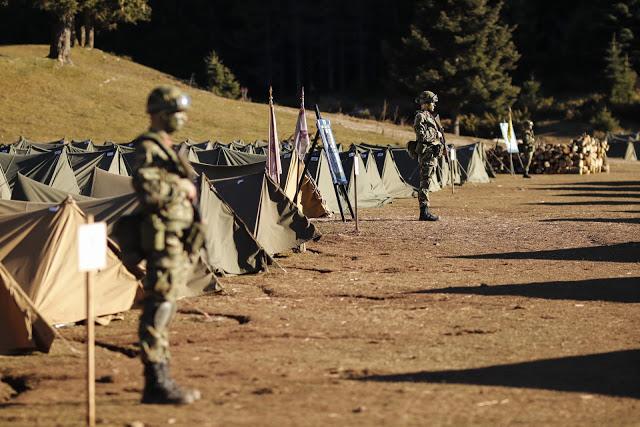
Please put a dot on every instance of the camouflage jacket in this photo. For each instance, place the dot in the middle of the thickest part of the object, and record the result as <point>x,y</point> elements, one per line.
<point>157,179</point>
<point>426,128</point>
<point>528,139</point>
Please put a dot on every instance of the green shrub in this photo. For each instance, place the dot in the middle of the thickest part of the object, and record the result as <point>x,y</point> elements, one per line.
<point>220,79</point>
<point>604,121</point>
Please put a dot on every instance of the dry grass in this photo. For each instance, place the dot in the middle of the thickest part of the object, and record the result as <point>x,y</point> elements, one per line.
<point>102,96</point>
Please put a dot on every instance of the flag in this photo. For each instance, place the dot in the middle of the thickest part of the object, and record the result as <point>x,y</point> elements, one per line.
<point>511,133</point>
<point>273,166</point>
<point>301,136</point>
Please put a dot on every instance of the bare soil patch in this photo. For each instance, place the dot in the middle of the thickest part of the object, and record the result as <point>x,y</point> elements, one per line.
<point>520,307</point>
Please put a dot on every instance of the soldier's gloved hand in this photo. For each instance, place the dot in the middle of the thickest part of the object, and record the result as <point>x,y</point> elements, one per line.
<point>189,189</point>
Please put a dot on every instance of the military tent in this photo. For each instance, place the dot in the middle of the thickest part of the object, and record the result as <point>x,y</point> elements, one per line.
<point>409,170</point>
<point>83,165</point>
<point>106,184</point>
<point>311,199</point>
<point>371,191</point>
<point>472,160</point>
<point>222,156</point>
<point>29,190</point>
<point>622,149</point>
<point>39,250</point>
<point>51,168</point>
<point>5,189</point>
<point>272,218</point>
<point>232,249</point>
<point>393,182</point>
<point>24,329</point>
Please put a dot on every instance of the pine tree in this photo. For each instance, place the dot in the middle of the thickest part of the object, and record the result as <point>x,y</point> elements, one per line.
<point>461,50</point>
<point>220,79</point>
<point>619,75</point>
<point>622,18</point>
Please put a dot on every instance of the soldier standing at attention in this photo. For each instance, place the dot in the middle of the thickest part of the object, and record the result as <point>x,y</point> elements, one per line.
<point>528,143</point>
<point>429,148</point>
<point>166,197</point>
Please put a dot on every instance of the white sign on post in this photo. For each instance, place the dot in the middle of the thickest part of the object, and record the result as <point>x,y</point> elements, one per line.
<point>356,165</point>
<point>92,247</point>
<point>509,138</point>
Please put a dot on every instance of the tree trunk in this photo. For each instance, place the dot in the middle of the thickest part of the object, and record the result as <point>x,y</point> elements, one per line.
<point>91,37</point>
<point>60,47</point>
<point>83,36</point>
<point>456,125</point>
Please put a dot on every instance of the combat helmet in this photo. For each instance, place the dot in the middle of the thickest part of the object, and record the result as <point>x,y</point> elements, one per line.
<point>167,98</point>
<point>426,97</point>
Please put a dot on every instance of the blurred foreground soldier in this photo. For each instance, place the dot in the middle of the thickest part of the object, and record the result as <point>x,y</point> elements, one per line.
<point>429,148</point>
<point>528,144</point>
<point>166,196</point>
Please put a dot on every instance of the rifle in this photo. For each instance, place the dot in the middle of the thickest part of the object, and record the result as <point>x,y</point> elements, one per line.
<point>447,155</point>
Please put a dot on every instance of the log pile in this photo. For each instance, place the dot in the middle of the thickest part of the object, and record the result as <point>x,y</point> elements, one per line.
<point>585,155</point>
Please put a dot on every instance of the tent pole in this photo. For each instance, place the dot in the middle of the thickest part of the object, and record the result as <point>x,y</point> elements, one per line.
<point>306,163</point>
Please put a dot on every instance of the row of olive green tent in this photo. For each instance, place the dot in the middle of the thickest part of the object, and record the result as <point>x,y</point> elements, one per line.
<point>41,226</point>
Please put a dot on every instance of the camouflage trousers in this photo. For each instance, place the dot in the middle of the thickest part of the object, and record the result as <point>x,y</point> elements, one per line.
<point>427,163</point>
<point>168,271</point>
<point>528,158</point>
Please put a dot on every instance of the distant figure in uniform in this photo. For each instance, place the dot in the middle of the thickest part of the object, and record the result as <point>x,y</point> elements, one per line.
<point>429,148</point>
<point>166,197</point>
<point>529,146</point>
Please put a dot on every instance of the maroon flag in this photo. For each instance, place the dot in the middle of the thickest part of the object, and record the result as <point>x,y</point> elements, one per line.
<point>273,166</point>
<point>301,135</point>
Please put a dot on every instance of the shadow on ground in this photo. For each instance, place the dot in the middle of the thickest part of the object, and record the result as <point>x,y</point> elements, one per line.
<point>615,374</point>
<point>588,203</point>
<point>603,220</point>
<point>621,290</point>
<point>629,189</point>
<point>621,252</point>
<point>599,184</point>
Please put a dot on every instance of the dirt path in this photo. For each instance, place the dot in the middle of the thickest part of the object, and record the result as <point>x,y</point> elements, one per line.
<point>520,307</point>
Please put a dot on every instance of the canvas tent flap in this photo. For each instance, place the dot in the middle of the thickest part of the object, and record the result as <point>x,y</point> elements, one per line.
<point>106,184</point>
<point>472,161</point>
<point>24,329</point>
<point>275,221</point>
<point>371,193</point>
<point>51,168</point>
<point>390,175</point>
<point>39,250</point>
<point>231,246</point>
<point>28,190</point>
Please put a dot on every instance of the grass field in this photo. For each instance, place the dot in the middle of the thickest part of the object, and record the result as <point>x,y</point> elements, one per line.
<point>102,97</point>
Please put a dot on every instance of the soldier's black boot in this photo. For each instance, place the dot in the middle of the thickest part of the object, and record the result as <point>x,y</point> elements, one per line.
<point>160,389</point>
<point>425,215</point>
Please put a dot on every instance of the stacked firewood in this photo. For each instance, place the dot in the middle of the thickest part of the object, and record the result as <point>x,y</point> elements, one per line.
<point>585,155</point>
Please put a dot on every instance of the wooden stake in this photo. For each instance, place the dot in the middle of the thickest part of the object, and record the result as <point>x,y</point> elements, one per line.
<point>91,369</point>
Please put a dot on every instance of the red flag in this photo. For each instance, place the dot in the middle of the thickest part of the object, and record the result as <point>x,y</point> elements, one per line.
<point>273,166</point>
<point>301,135</point>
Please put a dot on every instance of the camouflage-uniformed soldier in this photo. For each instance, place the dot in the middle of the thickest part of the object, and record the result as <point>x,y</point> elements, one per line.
<point>166,195</point>
<point>528,145</point>
<point>429,148</point>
